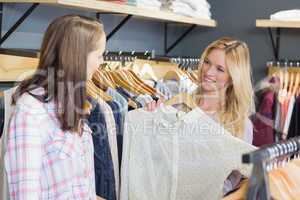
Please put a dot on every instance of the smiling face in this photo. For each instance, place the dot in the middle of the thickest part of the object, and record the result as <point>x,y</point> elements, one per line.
<point>214,73</point>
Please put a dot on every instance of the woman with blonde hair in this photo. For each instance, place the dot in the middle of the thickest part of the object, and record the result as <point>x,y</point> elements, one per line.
<point>225,90</point>
<point>225,87</point>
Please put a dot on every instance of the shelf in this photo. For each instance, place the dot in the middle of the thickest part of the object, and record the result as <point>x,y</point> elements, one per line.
<point>266,23</point>
<point>108,7</point>
<point>16,68</point>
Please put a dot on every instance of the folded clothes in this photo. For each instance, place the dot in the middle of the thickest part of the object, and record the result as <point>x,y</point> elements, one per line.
<point>286,15</point>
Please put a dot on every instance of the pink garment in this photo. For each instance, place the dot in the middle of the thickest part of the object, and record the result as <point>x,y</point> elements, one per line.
<point>44,162</point>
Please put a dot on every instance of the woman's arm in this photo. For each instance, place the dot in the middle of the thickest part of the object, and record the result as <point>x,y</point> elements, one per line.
<point>23,159</point>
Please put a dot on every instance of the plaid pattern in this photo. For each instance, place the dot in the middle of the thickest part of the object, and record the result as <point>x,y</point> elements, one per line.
<point>42,161</point>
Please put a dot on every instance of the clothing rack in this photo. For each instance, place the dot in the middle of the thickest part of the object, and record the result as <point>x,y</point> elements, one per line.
<point>284,63</point>
<point>261,159</point>
<point>184,62</point>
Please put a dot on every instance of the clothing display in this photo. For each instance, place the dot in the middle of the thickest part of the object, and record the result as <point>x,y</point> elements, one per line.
<point>263,132</point>
<point>104,170</point>
<point>112,138</point>
<point>169,154</point>
<point>294,128</point>
<point>283,178</point>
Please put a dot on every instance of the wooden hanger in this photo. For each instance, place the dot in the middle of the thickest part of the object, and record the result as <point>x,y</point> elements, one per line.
<point>101,80</point>
<point>109,77</point>
<point>173,75</point>
<point>146,87</point>
<point>194,77</point>
<point>95,92</point>
<point>182,98</point>
<point>146,72</point>
<point>132,104</point>
<point>119,80</point>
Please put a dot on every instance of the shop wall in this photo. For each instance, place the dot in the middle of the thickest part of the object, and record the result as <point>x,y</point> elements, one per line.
<point>236,18</point>
<point>137,34</point>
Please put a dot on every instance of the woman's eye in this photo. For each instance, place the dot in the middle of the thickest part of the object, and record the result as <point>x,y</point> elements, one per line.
<point>206,61</point>
<point>220,69</point>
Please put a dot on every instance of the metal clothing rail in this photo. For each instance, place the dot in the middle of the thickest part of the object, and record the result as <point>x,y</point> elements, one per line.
<point>184,62</point>
<point>284,63</point>
<point>261,158</point>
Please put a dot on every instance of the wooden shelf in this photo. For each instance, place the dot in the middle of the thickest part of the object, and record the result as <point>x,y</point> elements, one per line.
<point>16,68</point>
<point>266,23</point>
<point>102,6</point>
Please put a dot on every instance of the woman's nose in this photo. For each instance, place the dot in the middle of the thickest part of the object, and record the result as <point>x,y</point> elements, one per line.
<point>211,71</point>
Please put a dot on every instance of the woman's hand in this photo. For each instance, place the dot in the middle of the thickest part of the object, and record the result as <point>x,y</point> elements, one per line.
<point>153,105</point>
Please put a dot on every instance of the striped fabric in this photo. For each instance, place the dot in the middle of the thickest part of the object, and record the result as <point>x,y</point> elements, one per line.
<point>42,161</point>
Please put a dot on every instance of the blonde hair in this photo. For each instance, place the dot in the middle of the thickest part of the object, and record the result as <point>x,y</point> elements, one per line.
<point>239,94</point>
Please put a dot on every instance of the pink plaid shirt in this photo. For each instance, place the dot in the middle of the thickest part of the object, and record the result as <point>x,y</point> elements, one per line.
<point>42,161</point>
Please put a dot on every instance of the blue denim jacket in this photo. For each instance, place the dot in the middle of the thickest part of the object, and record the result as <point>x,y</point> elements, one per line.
<point>104,172</point>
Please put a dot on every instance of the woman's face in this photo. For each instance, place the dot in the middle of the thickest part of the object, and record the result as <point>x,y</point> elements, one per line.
<point>214,74</point>
<point>95,58</point>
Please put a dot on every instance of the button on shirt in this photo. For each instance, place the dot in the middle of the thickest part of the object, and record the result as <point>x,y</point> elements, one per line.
<point>44,162</point>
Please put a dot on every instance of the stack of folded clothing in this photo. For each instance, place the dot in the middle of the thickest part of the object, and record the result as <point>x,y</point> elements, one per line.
<point>191,8</point>
<point>151,4</point>
<point>286,15</point>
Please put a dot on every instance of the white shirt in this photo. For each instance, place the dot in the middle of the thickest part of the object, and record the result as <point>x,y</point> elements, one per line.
<point>171,155</point>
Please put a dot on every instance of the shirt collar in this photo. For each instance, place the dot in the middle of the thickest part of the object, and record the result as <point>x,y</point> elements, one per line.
<point>172,115</point>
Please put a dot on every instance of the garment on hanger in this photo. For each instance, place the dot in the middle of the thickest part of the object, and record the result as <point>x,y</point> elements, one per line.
<point>294,128</point>
<point>263,122</point>
<point>112,138</point>
<point>284,183</point>
<point>104,170</point>
<point>119,119</point>
<point>288,117</point>
<point>120,99</point>
<point>184,84</point>
<point>169,154</point>
<point>144,99</point>
<point>119,115</point>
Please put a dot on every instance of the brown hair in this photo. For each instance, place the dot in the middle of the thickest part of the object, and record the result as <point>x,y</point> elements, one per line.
<point>62,68</point>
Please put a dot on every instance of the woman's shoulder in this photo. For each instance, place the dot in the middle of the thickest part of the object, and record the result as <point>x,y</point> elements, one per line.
<point>29,104</point>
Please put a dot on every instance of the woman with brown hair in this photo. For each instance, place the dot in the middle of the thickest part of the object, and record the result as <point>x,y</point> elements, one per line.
<point>50,150</point>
